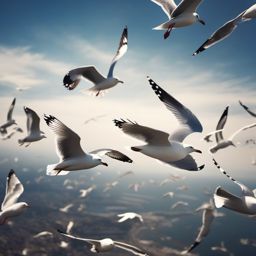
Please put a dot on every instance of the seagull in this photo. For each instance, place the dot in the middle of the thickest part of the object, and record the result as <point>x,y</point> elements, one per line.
<point>106,245</point>
<point>125,174</point>
<point>69,226</point>
<point>43,233</point>
<point>10,207</point>
<point>168,194</point>
<point>221,142</point>
<point>247,109</point>
<point>33,128</point>
<point>73,77</point>
<point>221,248</point>
<point>245,204</point>
<point>110,185</point>
<point>207,219</point>
<point>10,134</point>
<point>167,148</point>
<point>179,204</point>
<point>179,16</point>
<point>10,121</point>
<point>86,192</point>
<point>129,215</point>
<point>66,208</point>
<point>224,31</point>
<point>72,157</point>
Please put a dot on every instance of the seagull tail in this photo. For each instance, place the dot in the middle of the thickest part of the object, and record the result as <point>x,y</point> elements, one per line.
<point>50,171</point>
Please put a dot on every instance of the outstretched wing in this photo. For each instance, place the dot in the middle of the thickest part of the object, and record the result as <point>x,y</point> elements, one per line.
<point>221,124</point>
<point>113,154</point>
<point>14,189</point>
<point>10,111</point>
<point>188,163</point>
<point>186,6</point>
<point>149,135</point>
<point>247,109</point>
<point>188,121</point>
<point>168,6</point>
<point>130,248</point>
<point>122,49</point>
<point>241,130</point>
<point>67,141</point>
<point>33,121</point>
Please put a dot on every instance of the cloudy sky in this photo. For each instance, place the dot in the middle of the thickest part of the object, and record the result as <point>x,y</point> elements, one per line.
<point>41,41</point>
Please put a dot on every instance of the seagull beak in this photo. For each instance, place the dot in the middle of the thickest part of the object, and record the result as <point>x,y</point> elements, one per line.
<point>201,21</point>
<point>198,151</point>
<point>104,163</point>
<point>120,81</point>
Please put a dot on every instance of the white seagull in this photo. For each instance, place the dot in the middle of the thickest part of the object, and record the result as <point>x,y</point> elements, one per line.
<point>10,121</point>
<point>245,204</point>
<point>73,77</point>
<point>10,207</point>
<point>247,109</point>
<point>106,245</point>
<point>33,128</point>
<point>179,16</point>
<point>224,31</point>
<point>72,157</point>
<point>224,143</point>
<point>168,148</point>
<point>129,215</point>
<point>86,192</point>
<point>207,219</point>
<point>10,134</point>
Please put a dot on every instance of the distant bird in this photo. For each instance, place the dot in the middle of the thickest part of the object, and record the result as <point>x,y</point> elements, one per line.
<point>129,216</point>
<point>179,16</point>
<point>73,77</point>
<point>106,245</point>
<point>86,192</point>
<point>168,194</point>
<point>247,109</point>
<point>125,174</point>
<point>10,121</point>
<point>10,208</point>
<point>221,248</point>
<point>207,218</point>
<point>43,233</point>
<point>66,208</point>
<point>33,128</point>
<point>179,204</point>
<point>10,134</point>
<point>110,185</point>
<point>72,157</point>
<point>245,204</point>
<point>168,148</point>
<point>135,187</point>
<point>224,31</point>
<point>93,119</point>
<point>69,226</point>
<point>224,143</point>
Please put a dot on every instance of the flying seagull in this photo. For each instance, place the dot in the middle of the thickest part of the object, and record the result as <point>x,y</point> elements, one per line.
<point>10,121</point>
<point>33,128</point>
<point>179,16</point>
<point>10,207</point>
<point>168,148</point>
<point>247,109</point>
<point>129,215</point>
<point>72,157</point>
<point>224,143</point>
<point>73,77</point>
<point>225,31</point>
<point>106,245</point>
<point>245,204</point>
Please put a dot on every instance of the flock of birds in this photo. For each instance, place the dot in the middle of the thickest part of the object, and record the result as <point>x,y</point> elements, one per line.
<point>168,148</point>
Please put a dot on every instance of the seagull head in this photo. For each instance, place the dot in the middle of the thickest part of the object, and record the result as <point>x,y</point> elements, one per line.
<point>196,15</point>
<point>118,81</point>
<point>191,149</point>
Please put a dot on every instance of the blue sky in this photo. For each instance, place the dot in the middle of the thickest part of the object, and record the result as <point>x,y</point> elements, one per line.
<point>41,41</point>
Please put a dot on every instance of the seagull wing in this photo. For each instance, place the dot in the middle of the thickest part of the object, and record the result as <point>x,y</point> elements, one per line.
<point>168,6</point>
<point>250,13</point>
<point>209,135</point>
<point>241,130</point>
<point>14,189</point>
<point>67,141</point>
<point>113,154</point>
<point>186,6</point>
<point>122,49</point>
<point>187,163</point>
<point>130,248</point>
<point>220,34</point>
<point>149,135</point>
<point>9,114</point>
<point>188,121</point>
<point>247,109</point>
<point>33,121</point>
<point>221,124</point>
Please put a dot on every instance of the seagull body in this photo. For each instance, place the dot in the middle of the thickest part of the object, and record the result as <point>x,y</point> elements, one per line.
<point>226,30</point>
<point>10,121</point>
<point>129,215</point>
<point>72,157</point>
<point>179,16</point>
<point>224,143</point>
<point>167,148</point>
<point>10,208</point>
<point>207,219</point>
<point>33,128</point>
<point>107,244</point>
<point>73,77</point>
<point>245,204</point>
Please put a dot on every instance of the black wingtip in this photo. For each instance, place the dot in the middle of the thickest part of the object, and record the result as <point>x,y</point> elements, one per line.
<point>119,123</point>
<point>201,167</point>
<point>61,231</point>
<point>48,118</point>
<point>11,172</point>
<point>67,82</point>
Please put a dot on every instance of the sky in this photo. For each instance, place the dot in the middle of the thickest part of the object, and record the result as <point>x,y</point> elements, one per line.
<point>42,41</point>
